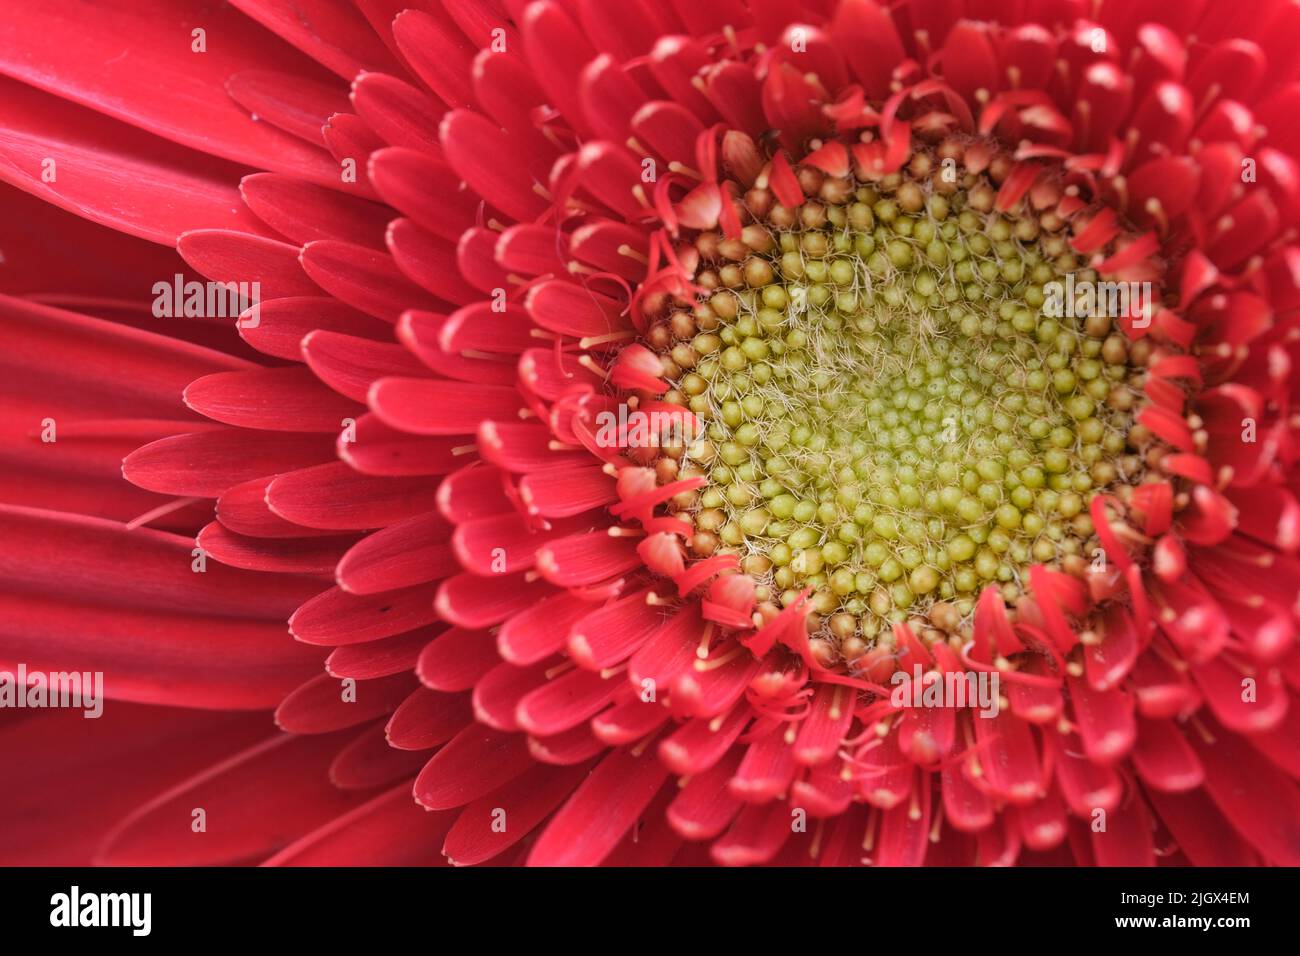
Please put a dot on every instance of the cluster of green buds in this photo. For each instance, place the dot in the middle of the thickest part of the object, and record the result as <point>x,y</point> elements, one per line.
<point>893,420</point>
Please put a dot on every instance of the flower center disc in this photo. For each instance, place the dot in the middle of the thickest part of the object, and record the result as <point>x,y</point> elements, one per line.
<point>895,414</point>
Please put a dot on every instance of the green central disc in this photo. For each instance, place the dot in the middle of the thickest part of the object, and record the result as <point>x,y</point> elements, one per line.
<point>892,417</point>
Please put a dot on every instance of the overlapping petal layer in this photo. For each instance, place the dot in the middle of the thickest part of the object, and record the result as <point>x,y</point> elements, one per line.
<point>457,255</point>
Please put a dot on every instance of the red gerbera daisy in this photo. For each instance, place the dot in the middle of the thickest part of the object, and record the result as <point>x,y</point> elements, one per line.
<point>814,431</point>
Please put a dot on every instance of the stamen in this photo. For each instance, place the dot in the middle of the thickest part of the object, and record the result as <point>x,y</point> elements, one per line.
<point>726,658</point>
<point>702,652</point>
<point>594,340</point>
<point>626,250</point>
